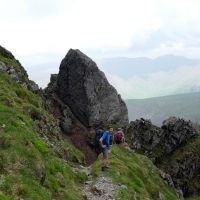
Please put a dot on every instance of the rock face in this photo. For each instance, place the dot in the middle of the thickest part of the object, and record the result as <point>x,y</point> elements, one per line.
<point>176,132</point>
<point>85,89</point>
<point>81,98</point>
<point>144,137</point>
<point>157,142</point>
<point>81,137</point>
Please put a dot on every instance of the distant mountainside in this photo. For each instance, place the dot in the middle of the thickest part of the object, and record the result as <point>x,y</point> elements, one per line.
<point>159,108</point>
<point>126,67</point>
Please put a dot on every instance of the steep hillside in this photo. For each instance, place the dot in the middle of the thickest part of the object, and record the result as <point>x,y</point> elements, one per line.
<point>34,156</point>
<point>135,175</point>
<point>160,108</point>
<point>38,162</point>
<point>35,163</point>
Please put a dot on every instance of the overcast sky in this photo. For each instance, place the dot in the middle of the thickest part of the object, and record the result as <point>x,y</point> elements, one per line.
<point>40,32</point>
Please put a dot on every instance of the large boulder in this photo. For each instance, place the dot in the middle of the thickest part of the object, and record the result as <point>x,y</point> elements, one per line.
<point>81,98</point>
<point>85,89</point>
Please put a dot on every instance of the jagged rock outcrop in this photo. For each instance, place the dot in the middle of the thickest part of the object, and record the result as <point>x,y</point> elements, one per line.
<point>156,142</point>
<point>183,165</point>
<point>11,66</point>
<point>144,136</point>
<point>176,132</point>
<point>174,148</point>
<point>85,89</point>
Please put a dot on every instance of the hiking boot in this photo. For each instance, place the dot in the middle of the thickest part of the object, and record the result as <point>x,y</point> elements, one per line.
<point>104,169</point>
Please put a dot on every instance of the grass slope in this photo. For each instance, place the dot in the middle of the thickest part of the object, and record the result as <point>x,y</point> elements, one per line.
<point>29,169</point>
<point>137,172</point>
<point>159,108</point>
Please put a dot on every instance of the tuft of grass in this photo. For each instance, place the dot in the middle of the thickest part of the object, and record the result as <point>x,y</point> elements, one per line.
<point>82,177</point>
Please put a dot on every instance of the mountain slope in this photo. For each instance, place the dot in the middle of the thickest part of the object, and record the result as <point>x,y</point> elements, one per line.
<point>138,177</point>
<point>33,153</point>
<point>37,162</point>
<point>30,168</point>
<point>159,108</point>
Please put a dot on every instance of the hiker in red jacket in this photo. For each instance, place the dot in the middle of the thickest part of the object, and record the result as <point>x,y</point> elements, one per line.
<point>119,138</point>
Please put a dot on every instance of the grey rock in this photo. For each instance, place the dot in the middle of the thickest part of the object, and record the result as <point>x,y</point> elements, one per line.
<point>167,178</point>
<point>145,137</point>
<point>66,123</point>
<point>25,85</point>
<point>52,84</point>
<point>148,138</point>
<point>179,193</point>
<point>14,75</point>
<point>161,196</point>
<point>33,86</point>
<point>3,67</point>
<point>85,89</point>
<point>176,132</point>
<point>101,189</point>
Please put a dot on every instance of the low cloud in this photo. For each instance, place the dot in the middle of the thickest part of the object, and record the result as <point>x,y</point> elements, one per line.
<point>181,80</point>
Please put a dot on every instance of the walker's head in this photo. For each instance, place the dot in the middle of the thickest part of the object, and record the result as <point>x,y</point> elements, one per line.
<point>111,129</point>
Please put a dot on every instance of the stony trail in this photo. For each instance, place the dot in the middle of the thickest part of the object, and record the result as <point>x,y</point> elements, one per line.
<point>100,188</point>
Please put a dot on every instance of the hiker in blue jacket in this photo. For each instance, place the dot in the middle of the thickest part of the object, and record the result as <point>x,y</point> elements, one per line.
<point>105,144</point>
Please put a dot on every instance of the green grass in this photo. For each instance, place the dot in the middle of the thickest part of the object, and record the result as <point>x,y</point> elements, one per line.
<point>29,168</point>
<point>137,173</point>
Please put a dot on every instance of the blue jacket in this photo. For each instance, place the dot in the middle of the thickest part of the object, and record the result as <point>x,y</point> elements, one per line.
<point>106,138</point>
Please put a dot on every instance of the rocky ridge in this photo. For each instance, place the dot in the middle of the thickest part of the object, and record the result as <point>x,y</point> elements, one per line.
<point>173,148</point>
<point>14,68</point>
<point>156,142</point>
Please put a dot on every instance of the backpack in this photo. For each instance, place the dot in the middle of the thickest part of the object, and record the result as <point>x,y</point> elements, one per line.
<point>119,136</point>
<point>99,135</point>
